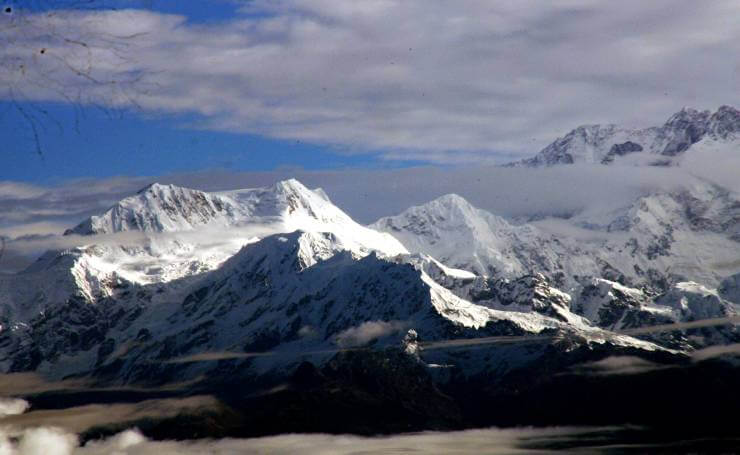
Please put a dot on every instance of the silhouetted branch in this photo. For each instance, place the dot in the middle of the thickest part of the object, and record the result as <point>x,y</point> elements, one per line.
<point>49,55</point>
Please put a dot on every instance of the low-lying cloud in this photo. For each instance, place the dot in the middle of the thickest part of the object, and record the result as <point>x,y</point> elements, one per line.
<point>31,383</point>
<point>55,432</point>
<point>482,341</point>
<point>215,356</point>
<point>716,351</point>
<point>38,441</point>
<point>711,322</point>
<point>12,406</point>
<point>53,441</point>
<point>618,365</point>
<point>368,331</point>
<point>81,418</point>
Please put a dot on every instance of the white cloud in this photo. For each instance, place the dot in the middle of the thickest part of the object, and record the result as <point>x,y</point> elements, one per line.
<point>12,406</point>
<point>54,432</point>
<point>716,162</point>
<point>17,190</point>
<point>46,441</point>
<point>415,79</point>
<point>368,331</point>
<point>51,441</point>
<point>79,419</point>
<point>618,365</point>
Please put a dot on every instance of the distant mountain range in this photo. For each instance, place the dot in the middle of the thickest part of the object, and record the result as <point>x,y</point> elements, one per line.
<point>251,288</point>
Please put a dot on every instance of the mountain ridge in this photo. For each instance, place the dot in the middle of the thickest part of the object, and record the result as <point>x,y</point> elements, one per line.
<point>660,238</point>
<point>658,145</point>
<point>304,305</point>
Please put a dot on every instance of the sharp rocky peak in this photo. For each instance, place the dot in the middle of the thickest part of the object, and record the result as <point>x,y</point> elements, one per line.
<point>689,114</point>
<point>725,123</point>
<point>154,188</point>
<point>448,202</point>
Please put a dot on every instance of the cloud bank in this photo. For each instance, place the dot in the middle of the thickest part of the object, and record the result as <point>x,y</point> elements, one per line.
<point>81,418</point>
<point>53,441</point>
<point>618,365</point>
<point>436,81</point>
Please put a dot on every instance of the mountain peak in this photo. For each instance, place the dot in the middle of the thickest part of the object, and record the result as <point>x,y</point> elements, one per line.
<point>456,233</point>
<point>156,208</point>
<point>298,197</point>
<point>725,123</point>
<point>689,112</point>
<point>593,129</point>
<point>290,186</point>
<point>155,186</point>
<point>286,206</point>
<point>450,201</point>
<point>447,210</point>
<point>607,144</point>
<point>688,116</point>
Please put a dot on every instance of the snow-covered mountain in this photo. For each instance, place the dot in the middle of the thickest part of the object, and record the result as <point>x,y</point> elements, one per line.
<point>313,283</point>
<point>166,234</point>
<point>163,208</point>
<point>614,306</point>
<point>175,285</point>
<point>289,297</point>
<point>660,145</point>
<point>687,235</point>
<point>283,207</point>
<point>462,236</point>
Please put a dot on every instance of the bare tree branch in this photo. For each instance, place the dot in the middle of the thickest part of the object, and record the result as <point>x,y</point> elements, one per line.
<point>47,55</point>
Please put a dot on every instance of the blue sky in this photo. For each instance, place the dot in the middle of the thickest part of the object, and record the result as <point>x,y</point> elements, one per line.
<point>90,142</point>
<point>87,141</point>
<point>330,84</point>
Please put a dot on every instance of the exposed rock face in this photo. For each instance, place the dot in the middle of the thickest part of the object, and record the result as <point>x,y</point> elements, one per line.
<point>621,150</point>
<point>682,130</point>
<point>617,307</point>
<point>725,123</point>
<point>531,293</point>
<point>729,288</point>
